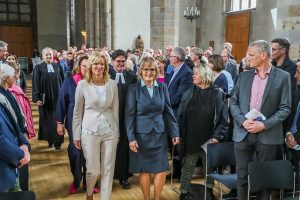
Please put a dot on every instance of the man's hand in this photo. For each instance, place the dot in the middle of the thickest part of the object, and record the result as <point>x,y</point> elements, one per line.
<point>60,129</point>
<point>253,126</point>
<point>133,146</point>
<point>77,144</point>
<point>214,141</point>
<point>26,157</point>
<point>290,140</point>
<point>39,103</point>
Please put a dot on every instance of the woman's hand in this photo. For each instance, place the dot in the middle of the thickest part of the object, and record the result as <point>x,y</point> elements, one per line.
<point>39,103</point>
<point>60,129</point>
<point>133,146</point>
<point>77,144</point>
<point>175,140</point>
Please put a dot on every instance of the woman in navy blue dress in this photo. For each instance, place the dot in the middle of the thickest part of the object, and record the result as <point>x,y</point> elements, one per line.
<point>149,121</point>
<point>64,117</point>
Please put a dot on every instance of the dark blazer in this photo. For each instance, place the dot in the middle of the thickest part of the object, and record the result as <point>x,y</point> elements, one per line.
<point>276,105</point>
<point>231,67</point>
<point>65,104</point>
<point>290,66</point>
<point>180,84</point>
<point>144,114</point>
<point>221,114</point>
<point>10,153</point>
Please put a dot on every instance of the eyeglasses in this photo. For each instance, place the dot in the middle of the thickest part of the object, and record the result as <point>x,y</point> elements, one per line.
<point>276,49</point>
<point>120,61</point>
<point>152,70</point>
<point>173,56</point>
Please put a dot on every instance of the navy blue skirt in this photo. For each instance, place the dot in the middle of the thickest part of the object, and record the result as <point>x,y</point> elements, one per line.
<point>152,155</point>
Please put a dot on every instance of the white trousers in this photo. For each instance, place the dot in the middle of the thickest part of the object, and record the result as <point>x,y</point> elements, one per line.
<point>100,154</point>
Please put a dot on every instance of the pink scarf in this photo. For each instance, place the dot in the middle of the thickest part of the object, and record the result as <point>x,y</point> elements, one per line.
<point>77,78</point>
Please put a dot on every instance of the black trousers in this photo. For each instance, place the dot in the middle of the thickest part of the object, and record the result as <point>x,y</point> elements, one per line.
<point>244,152</point>
<point>77,164</point>
<point>24,177</point>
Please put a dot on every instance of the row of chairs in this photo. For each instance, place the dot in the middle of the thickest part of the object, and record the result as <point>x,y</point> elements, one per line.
<point>278,174</point>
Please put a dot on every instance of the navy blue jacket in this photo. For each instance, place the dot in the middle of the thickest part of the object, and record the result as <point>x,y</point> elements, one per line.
<point>180,84</point>
<point>145,114</point>
<point>10,153</point>
<point>65,104</point>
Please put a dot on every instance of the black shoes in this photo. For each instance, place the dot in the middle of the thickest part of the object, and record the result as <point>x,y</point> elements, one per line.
<point>125,184</point>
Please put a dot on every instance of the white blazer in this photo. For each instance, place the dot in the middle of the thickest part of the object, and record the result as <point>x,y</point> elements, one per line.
<point>87,108</point>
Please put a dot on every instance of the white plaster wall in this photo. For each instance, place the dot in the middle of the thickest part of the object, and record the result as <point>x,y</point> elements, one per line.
<point>187,29</point>
<point>52,24</point>
<point>130,19</point>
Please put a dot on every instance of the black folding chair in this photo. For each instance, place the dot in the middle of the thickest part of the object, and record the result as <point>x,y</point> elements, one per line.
<point>219,155</point>
<point>277,174</point>
<point>24,195</point>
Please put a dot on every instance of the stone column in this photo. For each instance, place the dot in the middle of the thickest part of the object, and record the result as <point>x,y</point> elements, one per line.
<point>90,23</point>
<point>171,23</point>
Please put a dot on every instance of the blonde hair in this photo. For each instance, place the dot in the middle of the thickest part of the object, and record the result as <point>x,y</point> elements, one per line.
<point>205,72</point>
<point>129,65</point>
<point>149,61</point>
<point>96,58</point>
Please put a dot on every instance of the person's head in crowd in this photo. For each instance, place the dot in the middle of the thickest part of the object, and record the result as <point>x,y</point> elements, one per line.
<point>215,63</point>
<point>3,50</point>
<point>211,49</point>
<point>225,55</point>
<point>134,59</point>
<point>297,74</point>
<point>207,53</point>
<point>148,70</point>
<point>161,62</point>
<point>177,56</point>
<point>196,55</point>
<point>228,46</point>
<point>11,58</point>
<point>203,75</point>
<point>118,60</point>
<point>168,51</point>
<point>245,64</point>
<point>280,48</point>
<point>47,55</point>
<point>129,65</point>
<point>16,66</point>
<point>259,54</point>
<point>129,52</point>
<point>157,52</point>
<point>137,52</point>
<point>145,54</point>
<point>188,51</point>
<point>70,56</point>
<point>150,51</point>
<point>80,65</point>
<point>107,56</point>
<point>7,76</point>
<point>90,51</point>
<point>97,67</point>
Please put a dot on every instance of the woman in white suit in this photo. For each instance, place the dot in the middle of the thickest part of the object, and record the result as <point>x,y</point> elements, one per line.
<point>95,124</point>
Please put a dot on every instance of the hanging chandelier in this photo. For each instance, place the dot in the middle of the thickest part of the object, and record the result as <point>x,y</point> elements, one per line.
<point>191,13</point>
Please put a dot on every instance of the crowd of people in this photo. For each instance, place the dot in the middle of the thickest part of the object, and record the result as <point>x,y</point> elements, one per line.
<point>126,111</point>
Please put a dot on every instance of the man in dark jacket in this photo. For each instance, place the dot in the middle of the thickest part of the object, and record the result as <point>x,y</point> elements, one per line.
<point>280,59</point>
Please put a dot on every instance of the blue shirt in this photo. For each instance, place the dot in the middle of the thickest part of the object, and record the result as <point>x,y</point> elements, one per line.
<point>150,89</point>
<point>294,126</point>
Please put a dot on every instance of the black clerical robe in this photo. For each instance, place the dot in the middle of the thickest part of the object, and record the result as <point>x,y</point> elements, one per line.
<point>45,88</point>
<point>122,157</point>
